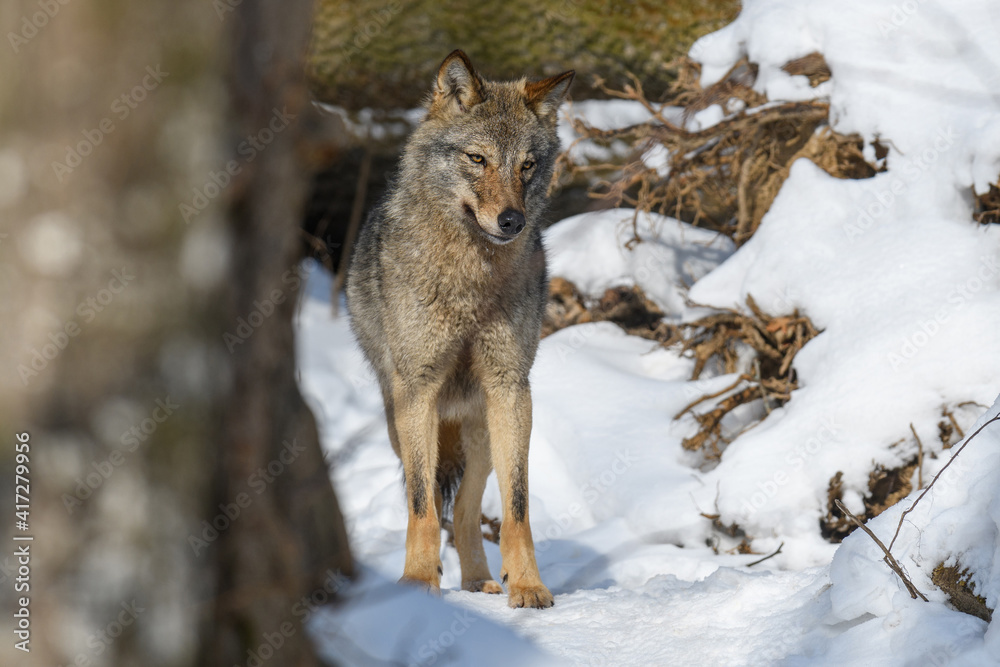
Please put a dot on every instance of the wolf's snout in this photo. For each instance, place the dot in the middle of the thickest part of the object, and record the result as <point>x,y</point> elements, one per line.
<point>511,222</point>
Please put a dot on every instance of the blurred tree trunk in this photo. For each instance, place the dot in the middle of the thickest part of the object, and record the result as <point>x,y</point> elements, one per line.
<point>180,506</point>
<point>293,540</point>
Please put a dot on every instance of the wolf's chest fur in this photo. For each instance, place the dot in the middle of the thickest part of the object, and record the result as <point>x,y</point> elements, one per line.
<point>461,283</point>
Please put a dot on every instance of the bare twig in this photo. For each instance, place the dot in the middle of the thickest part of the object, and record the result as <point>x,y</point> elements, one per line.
<point>920,458</point>
<point>763,392</point>
<point>721,337</point>
<point>954,423</point>
<point>352,229</point>
<point>742,378</point>
<point>723,176</point>
<point>888,558</point>
<point>933,481</point>
<point>761,560</point>
<point>319,248</point>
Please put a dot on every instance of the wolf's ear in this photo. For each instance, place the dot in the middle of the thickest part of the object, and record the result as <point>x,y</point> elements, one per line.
<point>457,88</point>
<point>545,96</point>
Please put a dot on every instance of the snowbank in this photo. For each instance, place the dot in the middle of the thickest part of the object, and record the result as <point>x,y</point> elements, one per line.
<point>956,524</point>
<point>892,267</point>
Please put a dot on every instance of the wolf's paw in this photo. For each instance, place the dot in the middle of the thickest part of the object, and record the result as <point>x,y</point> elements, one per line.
<point>432,587</point>
<point>536,596</point>
<point>483,586</point>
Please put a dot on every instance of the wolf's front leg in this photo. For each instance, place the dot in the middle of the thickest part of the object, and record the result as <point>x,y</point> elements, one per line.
<point>414,424</point>
<point>508,415</point>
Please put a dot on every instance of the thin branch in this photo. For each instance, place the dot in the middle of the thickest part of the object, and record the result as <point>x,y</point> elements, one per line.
<point>954,423</point>
<point>799,111</point>
<point>933,481</point>
<point>920,458</point>
<point>761,560</point>
<point>742,378</point>
<point>888,558</point>
<point>354,225</point>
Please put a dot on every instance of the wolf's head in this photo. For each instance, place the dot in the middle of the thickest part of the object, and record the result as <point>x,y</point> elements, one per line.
<point>487,149</point>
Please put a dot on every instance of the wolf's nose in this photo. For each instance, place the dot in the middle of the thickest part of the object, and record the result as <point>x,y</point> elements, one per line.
<point>511,222</point>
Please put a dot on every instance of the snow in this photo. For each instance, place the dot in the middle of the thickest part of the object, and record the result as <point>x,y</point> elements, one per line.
<point>607,115</point>
<point>706,118</point>
<point>590,251</point>
<point>906,290</point>
<point>374,124</point>
<point>427,630</point>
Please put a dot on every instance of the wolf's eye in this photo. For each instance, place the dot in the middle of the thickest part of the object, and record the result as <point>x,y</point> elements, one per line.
<point>478,159</point>
<point>528,164</point>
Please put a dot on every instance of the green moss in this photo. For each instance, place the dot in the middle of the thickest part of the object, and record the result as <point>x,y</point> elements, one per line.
<point>961,592</point>
<point>383,53</point>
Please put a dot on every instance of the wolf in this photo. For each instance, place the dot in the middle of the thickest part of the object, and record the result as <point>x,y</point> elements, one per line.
<point>446,291</point>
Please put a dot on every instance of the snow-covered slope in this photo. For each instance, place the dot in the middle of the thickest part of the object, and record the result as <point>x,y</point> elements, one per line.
<point>619,537</point>
<point>904,284</point>
<point>892,267</point>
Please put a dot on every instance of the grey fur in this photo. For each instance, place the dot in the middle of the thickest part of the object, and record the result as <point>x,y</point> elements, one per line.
<point>446,304</point>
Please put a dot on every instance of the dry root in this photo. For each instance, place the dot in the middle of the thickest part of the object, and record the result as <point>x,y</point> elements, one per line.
<point>775,339</point>
<point>887,486</point>
<point>719,340</point>
<point>492,532</point>
<point>628,307</point>
<point>961,592</point>
<point>726,176</point>
<point>722,339</point>
<point>987,209</point>
<point>812,66</point>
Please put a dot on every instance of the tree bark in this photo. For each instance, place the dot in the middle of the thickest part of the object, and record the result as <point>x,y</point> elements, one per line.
<point>139,225</point>
<point>293,542</point>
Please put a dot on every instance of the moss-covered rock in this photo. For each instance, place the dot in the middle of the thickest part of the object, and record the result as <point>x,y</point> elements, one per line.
<point>383,53</point>
<point>961,592</point>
